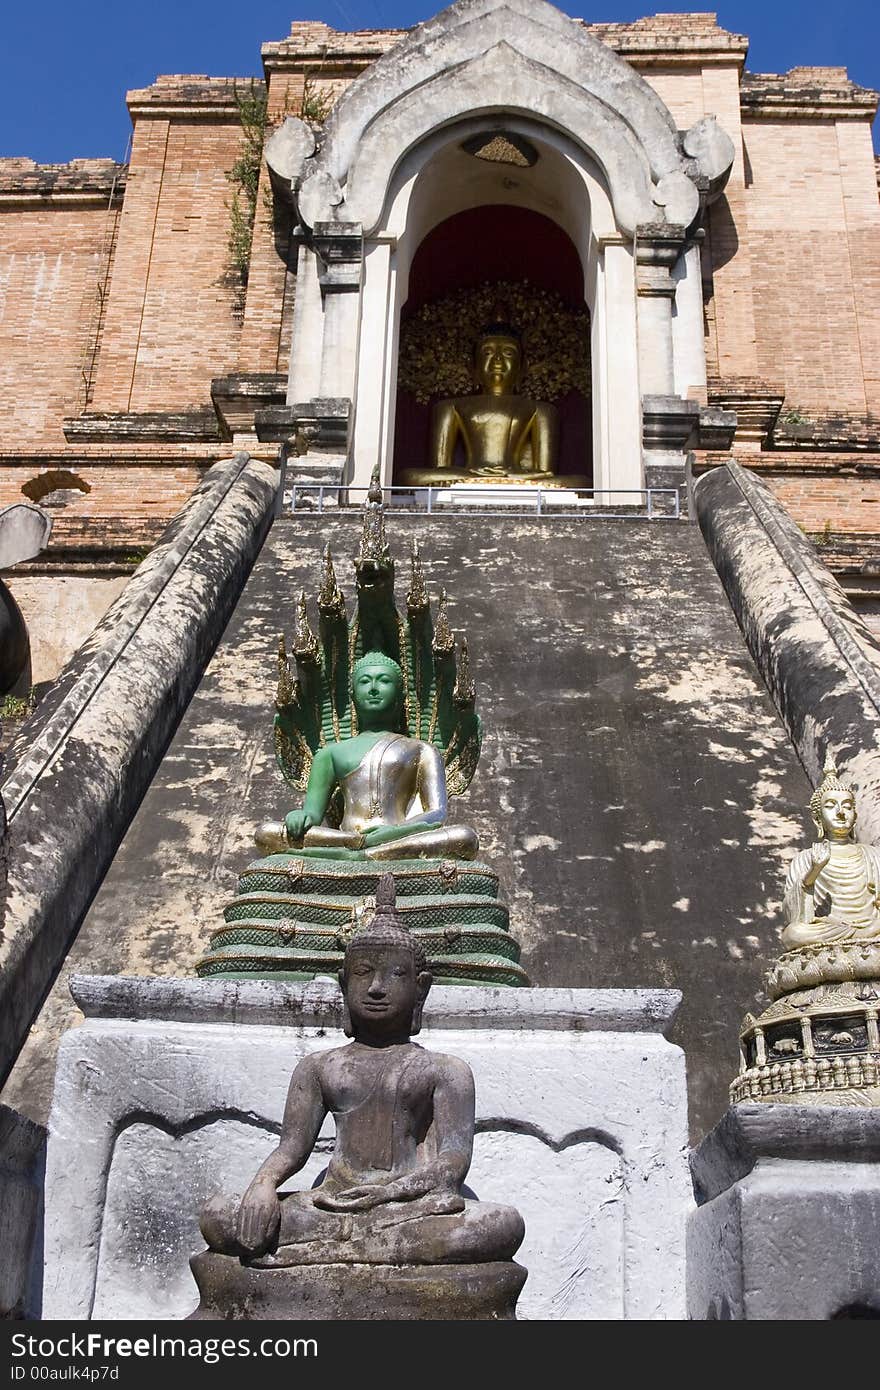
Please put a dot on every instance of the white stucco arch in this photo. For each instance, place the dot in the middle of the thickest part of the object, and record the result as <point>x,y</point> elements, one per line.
<point>628,191</point>
<point>434,182</point>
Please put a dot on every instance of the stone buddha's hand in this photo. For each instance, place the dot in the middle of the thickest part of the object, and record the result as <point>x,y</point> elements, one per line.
<point>296,824</point>
<point>361,1198</point>
<point>259,1218</point>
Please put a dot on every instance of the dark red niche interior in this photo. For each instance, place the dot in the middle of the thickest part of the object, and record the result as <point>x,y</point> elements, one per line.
<point>495,242</point>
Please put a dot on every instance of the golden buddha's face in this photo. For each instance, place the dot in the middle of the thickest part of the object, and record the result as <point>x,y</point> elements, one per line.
<point>837,813</point>
<point>499,363</point>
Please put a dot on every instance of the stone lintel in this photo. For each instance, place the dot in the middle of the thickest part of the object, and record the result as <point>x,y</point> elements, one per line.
<point>658,247</point>
<point>340,250</point>
<point>318,1004</point>
<point>320,424</point>
<point>190,97</point>
<point>811,93</point>
<point>81,183</point>
<point>756,402</point>
<point>716,427</point>
<point>657,40</point>
<point>238,397</point>
<point>123,426</point>
<point>668,422</point>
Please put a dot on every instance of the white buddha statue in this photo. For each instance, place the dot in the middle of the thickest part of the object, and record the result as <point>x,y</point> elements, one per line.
<point>832,888</point>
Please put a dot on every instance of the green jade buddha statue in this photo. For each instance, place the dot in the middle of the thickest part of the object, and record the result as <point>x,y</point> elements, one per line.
<point>375,722</point>
<point>393,787</point>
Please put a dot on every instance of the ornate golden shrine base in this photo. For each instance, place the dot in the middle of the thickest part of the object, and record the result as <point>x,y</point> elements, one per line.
<point>441,477</point>
<point>818,1042</point>
<point>232,1291</point>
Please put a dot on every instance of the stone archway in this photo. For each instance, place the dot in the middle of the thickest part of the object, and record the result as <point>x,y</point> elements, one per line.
<point>633,193</point>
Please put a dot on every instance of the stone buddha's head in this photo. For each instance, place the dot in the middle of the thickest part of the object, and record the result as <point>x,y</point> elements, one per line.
<point>384,977</point>
<point>377,692</point>
<point>498,360</point>
<point>833,806</point>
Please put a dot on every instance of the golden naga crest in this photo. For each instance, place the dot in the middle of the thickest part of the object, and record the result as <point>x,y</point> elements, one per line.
<point>313,700</point>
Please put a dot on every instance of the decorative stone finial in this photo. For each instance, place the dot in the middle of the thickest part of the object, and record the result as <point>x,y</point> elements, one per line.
<point>305,643</point>
<point>464,691</point>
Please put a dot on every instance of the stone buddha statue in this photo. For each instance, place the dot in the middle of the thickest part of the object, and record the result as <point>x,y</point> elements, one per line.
<point>832,889</point>
<point>393,786</point>
<point>504,436</point>
<point>391,1195</point>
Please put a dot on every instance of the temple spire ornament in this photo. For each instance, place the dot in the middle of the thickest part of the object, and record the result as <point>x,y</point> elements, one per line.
<point>444,641</point>
<point>305,643</point>
<point>286,690</point>
<point>464,690</point>
<point>330,598</point>
<point>417,593</point>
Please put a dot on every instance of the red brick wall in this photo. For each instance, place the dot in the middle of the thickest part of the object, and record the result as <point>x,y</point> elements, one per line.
<point>808,306</point>
<point>171,321</point>
<point>49,262</point>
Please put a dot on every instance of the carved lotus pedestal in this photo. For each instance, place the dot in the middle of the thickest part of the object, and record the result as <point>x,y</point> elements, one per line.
<point>817,1043</point>
<point>231,1290</point>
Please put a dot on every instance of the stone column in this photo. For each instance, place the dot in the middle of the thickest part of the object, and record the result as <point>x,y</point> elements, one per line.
<point>377,369</point>
<point>667,421</point>
<point>616,453</point>
<point>657,251</point>
<point>688,339</point>
<point>314,427</point>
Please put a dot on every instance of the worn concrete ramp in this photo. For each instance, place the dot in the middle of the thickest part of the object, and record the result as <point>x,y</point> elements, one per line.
<point>637,792</point>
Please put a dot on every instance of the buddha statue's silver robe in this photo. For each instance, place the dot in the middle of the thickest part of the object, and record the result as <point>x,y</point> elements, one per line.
<point>397,779</point>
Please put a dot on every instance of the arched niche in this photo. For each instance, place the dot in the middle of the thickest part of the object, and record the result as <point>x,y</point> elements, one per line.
<point>490,244</point>
<point>439,180</point>
<point>614,173</point>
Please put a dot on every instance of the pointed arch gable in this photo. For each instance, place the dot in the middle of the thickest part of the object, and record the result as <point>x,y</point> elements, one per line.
<point>537,31</point>
<point>502,80</point>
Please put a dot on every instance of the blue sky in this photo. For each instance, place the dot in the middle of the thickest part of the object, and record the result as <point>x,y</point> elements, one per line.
<point>65,67</point>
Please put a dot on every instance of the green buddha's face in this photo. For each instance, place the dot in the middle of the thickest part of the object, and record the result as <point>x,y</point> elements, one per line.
<point>499,362</point>
<point>837,812</point>
<point>376,691</point>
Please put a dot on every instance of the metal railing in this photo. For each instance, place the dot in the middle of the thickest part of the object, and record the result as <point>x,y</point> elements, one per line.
<point>653,504</point>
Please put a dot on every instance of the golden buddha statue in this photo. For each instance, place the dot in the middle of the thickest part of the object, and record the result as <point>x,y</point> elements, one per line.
<point>504,436</point>
<point>832,889</point>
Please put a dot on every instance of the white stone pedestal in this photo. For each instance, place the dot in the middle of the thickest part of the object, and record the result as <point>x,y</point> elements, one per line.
<point>788,1222</point>
<point>173,1090</point>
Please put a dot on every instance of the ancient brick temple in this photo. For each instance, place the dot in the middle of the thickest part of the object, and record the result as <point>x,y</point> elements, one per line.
<point>143,332</point>
<point>602,311</point>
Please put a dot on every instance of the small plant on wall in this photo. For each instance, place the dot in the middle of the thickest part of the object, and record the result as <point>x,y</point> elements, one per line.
<point>251,100</point>
<point>251,103</point>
